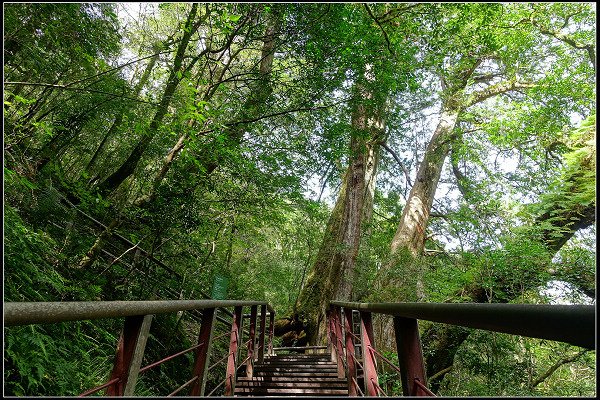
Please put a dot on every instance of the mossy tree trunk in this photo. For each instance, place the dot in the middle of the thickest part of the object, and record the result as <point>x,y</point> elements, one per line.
<point>557,223</point>
<point>116,125</point>
<point>331,275</point>
<point>175,76</point>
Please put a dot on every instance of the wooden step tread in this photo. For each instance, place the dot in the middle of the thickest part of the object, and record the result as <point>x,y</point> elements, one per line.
<point>332,379</point>
<point>294,373</point>
<point>299,357</point>
<point>284,384</point>
<point>298,362</point>
<point>295,391</point>
<point>295,367</point>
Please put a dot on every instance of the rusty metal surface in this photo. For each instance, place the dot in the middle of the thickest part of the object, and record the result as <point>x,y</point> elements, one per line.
<point>261,335</point>
<point>350,352</point>
<point>410,355</point>
<point>423,391</point>
<point>271,331</point>
<point>574,324</point>
<point>125,352</point>
<point>24,313</point>
<point>169,358</point>
<point>180,388</point>
<point>203,354</point>
<point>251,341</point>
<point>370,365</point>
<point>337,327</point>
<point>233,350</point>
<point>98,388</point>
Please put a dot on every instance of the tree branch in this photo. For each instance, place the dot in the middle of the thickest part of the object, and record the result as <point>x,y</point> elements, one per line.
<point>493,90</point>
<point>117,68</point>
<point>439,373</point>
<point>557,365</point>
<point>567,39</point>
<point>247,121</point>
<point>385,35</point>
<point>80,90</point>
<point>404,169</point>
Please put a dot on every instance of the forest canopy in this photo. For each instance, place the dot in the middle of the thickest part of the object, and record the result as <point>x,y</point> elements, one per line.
<point>301,153</point>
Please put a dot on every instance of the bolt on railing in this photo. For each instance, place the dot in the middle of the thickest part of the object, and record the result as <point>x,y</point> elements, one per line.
<point>574,324</point>
<point>132,342</point>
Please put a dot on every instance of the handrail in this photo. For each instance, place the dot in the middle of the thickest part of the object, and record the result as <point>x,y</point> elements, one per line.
<point>391,364</point>
<point>379,389</point>
<point>356,360</point>
<point>423,387</point>
<point>180,388</point>
<point>99,388</point>
<point>221,336</point>
<point>574,324</point>
<point>216,387</point>
<point>357,386</point>
<point>126,241</point>
<point>25,313</point>
<point>154,364</point>
<point>218,362</point>
<point>138,316</point>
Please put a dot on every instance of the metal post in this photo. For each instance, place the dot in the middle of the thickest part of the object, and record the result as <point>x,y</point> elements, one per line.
<point>127,362</point>
<point>251,340</point>
<point>138,355</point>
<point>369,363</point>
<point>240,338</point>
<point>203,352</point>
<point>330,335</point>
<point>410,355</point>
<point>233,348</point>
<point>337,326</point>
<point>350,352</point>
<point>261,335</point>
<point>271,330</point>
<point>328,325</point>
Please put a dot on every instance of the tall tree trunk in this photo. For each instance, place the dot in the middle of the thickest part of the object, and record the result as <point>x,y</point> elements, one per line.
<point>331,274</point>
<point>409,240</point>
<point>257,96</point>
<point>253,105</point>
<point>175,76</point>
<point>415,215</point>
<point>558,224</point>
<point>91,165</point>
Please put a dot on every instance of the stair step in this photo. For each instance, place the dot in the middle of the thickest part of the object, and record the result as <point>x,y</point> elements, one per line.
<point>326,379</point>
<point>284,384</point>
<point>300,357</point>
<point>299,361</point>
<point>294,373</point>
<point>291,391</point>
<point>294,370</point>
<point>298,367</point>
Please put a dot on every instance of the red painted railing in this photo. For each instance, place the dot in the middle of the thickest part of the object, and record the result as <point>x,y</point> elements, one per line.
<point>132,342</point>
<point>571,324</point>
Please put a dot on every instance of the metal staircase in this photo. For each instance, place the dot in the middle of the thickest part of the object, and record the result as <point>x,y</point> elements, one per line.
<point>348,365</point>
<point>293,375</point>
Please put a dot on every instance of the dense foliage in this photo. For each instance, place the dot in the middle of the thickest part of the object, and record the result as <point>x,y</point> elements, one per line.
<point>190,150</point>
